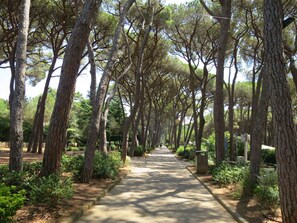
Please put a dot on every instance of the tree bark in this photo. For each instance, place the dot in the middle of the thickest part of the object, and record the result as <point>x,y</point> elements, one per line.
<point>92,72</point>
<point>284,130</point>
<point>219,93</point>
<point>17,108</point>
<point>58,125</point>
<point>258,133</point>
<point>219,122</point>
<point>135,108</point>
<point>100,96</point>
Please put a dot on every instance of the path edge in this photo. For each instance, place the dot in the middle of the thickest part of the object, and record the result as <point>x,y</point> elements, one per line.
<point>87,205</point>
<point>225,205</point>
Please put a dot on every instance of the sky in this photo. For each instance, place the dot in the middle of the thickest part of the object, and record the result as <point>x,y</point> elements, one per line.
<point>83,81</point>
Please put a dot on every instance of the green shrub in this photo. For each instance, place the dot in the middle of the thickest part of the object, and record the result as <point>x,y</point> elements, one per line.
<point>3,171</point>
<point>149,149</point>
<point>32,168</point>
<point>209,146</point>
<point>225,174</point>
<point>20,180</point>
<point>188,153</point>
<point>113,147</point>
<point>268,156</point>
<point>106,166</point>
<point>139,151</point>
<point>72,148</point>
<point>267,190</point>
<point>10,202</point>
<point>50,190</point>
<point>73,164</point>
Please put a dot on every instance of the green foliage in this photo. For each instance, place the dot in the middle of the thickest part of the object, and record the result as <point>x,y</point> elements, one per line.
<point>139,151</point>
<point>27,130</point>
<point>116,117</point>
<point>209,146</point>
<point>149,149</point>
<point>79,120</point>
<point>73,164</point>
<point>267,190</point>
<point>188,153</point>
<point>226,174</point>
<point>73,148</point>
<point>10,201</point>
<point>32,168</point>
<point>106,166</point>
<point>3,171</point>
<point>4,120</point>
<point>20,180</point>
<point>112,147</point>
<point>268,156</point>
<point>51,190</point>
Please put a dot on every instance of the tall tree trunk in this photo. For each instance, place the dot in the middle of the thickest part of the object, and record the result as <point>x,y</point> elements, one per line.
<point>258,133</point>
<point>231,92</point>
<point>31,141</point>
<point>195,115</point>
<point>202,106</point>
<point>93,73</point>
<point>17,108</point>
<point>58,125</point>
<point>219,122</point>
<point>219,94</point>
<point>285,137</point>
<point>148,121</point>
<point>101,93</point>
<point>36,139</point>
<point>137,89</point>
<point>102,132</point>
<point>180,128</point>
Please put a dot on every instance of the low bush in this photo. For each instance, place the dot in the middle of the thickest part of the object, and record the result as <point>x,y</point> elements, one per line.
<point>51,190</point>
<point>32,168</point>
<point>112,147</point>
<point>107,166</point>
<point>149,149</point>
<point>268,156</point>
<point>267,190</point>
<point>73,148</point>
<point>10,201</point>
<point>3,171</point>
<point>226,174</point>
<point>73,164</point>
<point>139,151</point>
<point>20,180</point>
<point>188,153</point>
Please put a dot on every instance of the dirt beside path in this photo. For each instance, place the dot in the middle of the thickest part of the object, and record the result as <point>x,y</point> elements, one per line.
<point>249,209</point>
<point>85,195</point>
<point>28,157</point>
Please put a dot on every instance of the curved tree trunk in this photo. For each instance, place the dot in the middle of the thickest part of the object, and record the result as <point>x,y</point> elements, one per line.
<point>57,131</point>
<point>135,108</point>
<point>100,96</point>
<point>102,132</point>
<point>17,108</point>
<point>284,129</point>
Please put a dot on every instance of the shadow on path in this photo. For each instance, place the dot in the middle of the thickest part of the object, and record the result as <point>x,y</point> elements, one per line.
<point>159,189</point>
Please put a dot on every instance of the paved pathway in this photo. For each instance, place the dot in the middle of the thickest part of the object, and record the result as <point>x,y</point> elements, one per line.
<point>159,189</point>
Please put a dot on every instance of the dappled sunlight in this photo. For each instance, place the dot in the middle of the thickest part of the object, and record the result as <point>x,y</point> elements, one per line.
<point>142,170</point>
<point>159,189</point>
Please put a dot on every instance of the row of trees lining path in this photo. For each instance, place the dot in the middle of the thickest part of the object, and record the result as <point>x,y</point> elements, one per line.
<point>129,41</point>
